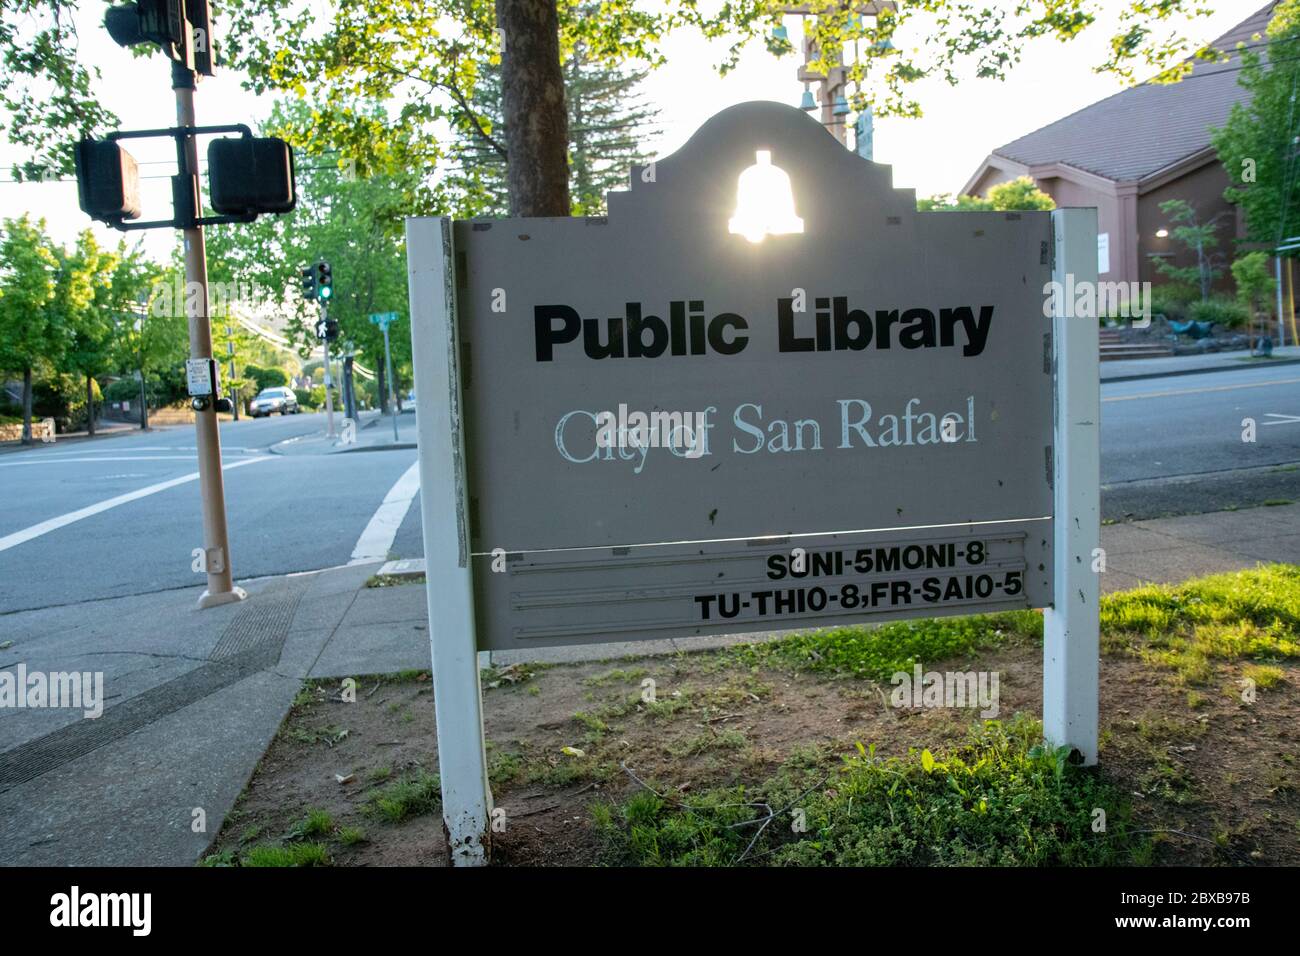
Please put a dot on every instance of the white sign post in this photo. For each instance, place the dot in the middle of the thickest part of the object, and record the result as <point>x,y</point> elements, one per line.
<point>1071,627</point>
<point>444,509</point>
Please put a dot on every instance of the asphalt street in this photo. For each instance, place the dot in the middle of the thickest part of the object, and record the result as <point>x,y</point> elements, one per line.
<point>70,530</point>
<point>1179,445</point>
<point>286,513</point>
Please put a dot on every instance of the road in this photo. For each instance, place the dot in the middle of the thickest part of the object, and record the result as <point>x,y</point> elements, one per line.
<point>1169,445</point>
<point>287,512</point>
<point>1175,445</point>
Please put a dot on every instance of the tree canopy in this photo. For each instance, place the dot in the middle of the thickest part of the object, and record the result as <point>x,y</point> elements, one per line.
<point>424,58</point>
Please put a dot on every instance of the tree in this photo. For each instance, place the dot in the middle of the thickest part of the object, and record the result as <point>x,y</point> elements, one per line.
<point>45,86</point>
<point>85,288</point>
<point>354,222</point>
<point>1199,238</point>
<point>1257,145</point>
<point>1255,287</point>
<point>31,333</point>
<point>150,329</point>
<point>399,51</point>
<point>1021,193</point>
<point>608,127</point>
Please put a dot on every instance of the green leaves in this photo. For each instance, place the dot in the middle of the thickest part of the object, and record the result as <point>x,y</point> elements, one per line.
<point>32,330</point>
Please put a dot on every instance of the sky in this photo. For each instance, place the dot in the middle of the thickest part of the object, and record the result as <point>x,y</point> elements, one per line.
<point>933,154</point>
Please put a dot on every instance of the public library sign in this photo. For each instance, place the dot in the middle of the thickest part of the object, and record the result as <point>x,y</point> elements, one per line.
<point>872,390</point>
<point>764,392</point>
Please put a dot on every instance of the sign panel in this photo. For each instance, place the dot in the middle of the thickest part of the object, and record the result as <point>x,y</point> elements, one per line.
<point>698,415</point>
<point>200,376</point>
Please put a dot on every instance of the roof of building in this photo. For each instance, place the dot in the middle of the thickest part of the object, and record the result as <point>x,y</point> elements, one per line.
<point>1144,129</point>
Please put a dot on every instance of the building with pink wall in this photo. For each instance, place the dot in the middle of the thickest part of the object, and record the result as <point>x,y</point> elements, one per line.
<point>1128,153</point>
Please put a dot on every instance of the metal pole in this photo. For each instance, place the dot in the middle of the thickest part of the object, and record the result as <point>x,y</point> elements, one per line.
<point>1281,322</point>
<point>234,392</point>
<point>388,367</point>
<point>216,545</point>
<point>329,381</point>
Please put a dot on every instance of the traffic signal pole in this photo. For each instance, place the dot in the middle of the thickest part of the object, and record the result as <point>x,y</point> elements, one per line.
<point>329,379</point>
<point>216,544</point>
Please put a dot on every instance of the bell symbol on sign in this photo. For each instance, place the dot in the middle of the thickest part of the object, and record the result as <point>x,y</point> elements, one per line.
<point>764,202</point>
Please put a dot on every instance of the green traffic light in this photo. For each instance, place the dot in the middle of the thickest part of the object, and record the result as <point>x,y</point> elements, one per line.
<point>326,292</point>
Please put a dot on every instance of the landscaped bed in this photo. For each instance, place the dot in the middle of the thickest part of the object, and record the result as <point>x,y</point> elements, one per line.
<point>793,751</point>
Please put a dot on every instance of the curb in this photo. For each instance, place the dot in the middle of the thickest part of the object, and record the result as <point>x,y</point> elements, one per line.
<point>1271,363</point>
<point>391,446</point>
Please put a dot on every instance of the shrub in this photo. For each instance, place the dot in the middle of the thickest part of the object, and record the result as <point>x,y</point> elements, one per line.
<point>1171,301</point>
<point>265,377</point>
<point>1221,311</point>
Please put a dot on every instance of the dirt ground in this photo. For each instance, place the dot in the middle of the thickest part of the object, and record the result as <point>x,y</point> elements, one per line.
<point>1212,777</point>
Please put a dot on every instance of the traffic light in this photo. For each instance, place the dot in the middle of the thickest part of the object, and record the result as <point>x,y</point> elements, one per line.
<point>108,181</point>
<point>309,284</point>
<point>182,28</point>
<point>324,281</point>
<point>248,175</point>
<point>200,18</point>
<point>151,21</point>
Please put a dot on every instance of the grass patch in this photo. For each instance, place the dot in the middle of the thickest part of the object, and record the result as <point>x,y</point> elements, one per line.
<point>411,796</point>
<point>1251,614</point>
<point>875,653</point>
<point>393,580</point>
<point>316,823</point>
<point>619,676</point>
<point>1264,675</point>
<point>294,854</point>
<point>351,836</point>
<point>329,735</point>
<point>704,742</point>
<point>1001,799</point>
<point>504,768</point>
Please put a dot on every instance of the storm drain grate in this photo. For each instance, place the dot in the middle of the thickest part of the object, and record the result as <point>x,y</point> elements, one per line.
<point>250,644</point>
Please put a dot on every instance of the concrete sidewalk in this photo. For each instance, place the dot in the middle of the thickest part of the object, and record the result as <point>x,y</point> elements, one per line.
<point>1129,370</point>
<point>103,429</point>
<point>373,432</point>
<point>192,699</point>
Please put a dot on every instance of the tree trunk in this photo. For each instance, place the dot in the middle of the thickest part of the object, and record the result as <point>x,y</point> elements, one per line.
<point>532,106</point>
<point>90,406</point>
<point>382,388</point>
<point>27,406</point>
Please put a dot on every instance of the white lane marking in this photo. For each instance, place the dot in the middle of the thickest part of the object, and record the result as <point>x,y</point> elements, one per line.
<point>1200,391</point>
<point>53,524</point>
<point>53,461</point>
<point>378,537</point>
<point>1282,419</point>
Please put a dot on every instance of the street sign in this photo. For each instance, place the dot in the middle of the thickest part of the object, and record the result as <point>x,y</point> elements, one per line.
<point>765,392</point>
<point>383,319</point>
